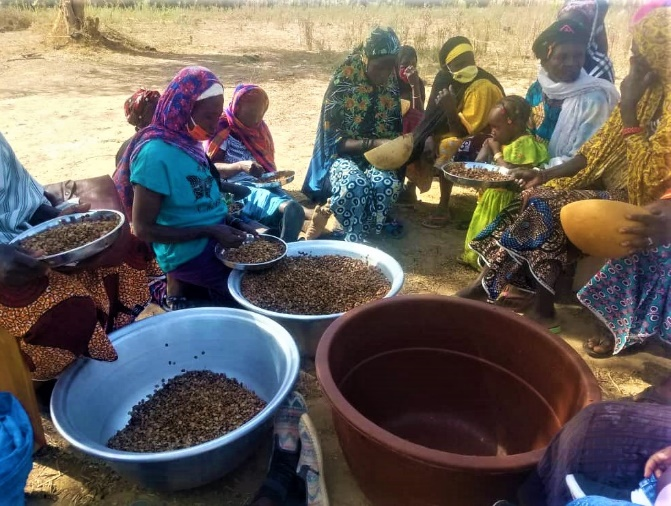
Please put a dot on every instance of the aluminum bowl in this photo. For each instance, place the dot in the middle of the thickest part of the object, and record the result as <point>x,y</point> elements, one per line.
<point>509,184</point>
<point>91,400</point>
<point>308,329</point>
<point>220,252</point>
<point>76,255</point>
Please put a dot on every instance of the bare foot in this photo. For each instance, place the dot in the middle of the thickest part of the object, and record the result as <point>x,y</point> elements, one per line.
<point>320,217</point>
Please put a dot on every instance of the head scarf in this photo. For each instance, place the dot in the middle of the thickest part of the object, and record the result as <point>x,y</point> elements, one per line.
<point>169,124</point>
<point>381,42</point>
<point>136,105</point>
<point>592,14</point>
<point>651,32</point>
<point>257,140</point>
<point>647,8</point>
<point>566,31</point>
<point>454,47</point>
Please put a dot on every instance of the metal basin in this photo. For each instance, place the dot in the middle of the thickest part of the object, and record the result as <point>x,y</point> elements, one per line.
<point>439,400</point>
<point>92,399</point>
<point>308,329</point>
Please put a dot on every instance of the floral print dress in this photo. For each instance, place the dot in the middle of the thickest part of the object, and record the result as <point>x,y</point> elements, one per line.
<point>354,108</point>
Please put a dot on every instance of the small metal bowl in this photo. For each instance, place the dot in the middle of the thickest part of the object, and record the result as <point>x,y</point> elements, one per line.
<point>76,255</point>
<point>477,183</point>
<point>279,179</point>
<point>220,253</point>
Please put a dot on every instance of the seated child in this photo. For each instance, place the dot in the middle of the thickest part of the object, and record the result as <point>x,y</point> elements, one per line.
<point>511,145</point>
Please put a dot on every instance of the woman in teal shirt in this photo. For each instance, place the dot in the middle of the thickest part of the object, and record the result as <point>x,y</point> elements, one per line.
<point>171,189</point>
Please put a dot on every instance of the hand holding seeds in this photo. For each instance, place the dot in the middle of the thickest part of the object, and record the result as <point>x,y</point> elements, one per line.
<point>227,236</point>
<point>17,268</point>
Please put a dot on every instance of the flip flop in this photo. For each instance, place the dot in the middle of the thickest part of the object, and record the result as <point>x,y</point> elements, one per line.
<point>436,222</point>
<point>596,354</point>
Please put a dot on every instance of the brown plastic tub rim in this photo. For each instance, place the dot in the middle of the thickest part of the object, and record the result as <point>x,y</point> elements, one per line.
<point>364,426</point>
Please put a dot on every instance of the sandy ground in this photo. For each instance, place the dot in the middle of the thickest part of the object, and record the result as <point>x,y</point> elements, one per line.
<point>62,111</point>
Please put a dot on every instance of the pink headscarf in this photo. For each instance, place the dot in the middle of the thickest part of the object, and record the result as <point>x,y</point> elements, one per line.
<point>646,8</point>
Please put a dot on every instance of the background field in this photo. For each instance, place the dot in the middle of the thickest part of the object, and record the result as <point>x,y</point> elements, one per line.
<point>62,111</point>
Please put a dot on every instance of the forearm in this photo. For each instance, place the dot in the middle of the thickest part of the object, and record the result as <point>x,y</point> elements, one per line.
<point>567,169</point>
<point>228,170</point>
<point>151,232</point>
<point>43,213</point>
<point>417,99</point>
<point>354,146</point>
<point>456,126</point>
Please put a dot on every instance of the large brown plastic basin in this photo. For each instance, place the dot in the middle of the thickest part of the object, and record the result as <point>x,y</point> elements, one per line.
<point>444,401</point>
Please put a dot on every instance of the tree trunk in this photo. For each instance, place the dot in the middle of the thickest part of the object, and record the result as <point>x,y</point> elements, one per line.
<point>73,13</point>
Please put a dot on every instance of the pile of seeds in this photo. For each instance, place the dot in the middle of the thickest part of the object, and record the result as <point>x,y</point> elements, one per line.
<point>255,252</point>
<point>315,285</point>
<point>189,409</point>
<point>459,169</point>
<point>68,236</point>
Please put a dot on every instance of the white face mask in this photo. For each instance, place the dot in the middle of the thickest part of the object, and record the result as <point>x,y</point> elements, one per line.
<point>465,75</point>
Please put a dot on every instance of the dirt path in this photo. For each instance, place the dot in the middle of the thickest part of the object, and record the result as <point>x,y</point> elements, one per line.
<point>62,113</point>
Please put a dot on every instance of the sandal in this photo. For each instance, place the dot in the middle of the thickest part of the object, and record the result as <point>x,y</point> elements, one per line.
<point>602,341</point>
<point>436,221</point>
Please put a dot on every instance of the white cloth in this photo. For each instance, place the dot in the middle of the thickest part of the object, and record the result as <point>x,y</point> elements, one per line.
<point>20,194</point>
<point>213,91</point>
<point>587,104</point>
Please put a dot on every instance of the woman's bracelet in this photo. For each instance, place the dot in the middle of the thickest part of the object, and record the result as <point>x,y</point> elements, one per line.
<point>497,156</point>
<point>626,132</point>
<point>366,144</point>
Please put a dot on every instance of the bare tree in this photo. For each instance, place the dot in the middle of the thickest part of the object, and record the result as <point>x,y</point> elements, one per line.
<point>76,23</point>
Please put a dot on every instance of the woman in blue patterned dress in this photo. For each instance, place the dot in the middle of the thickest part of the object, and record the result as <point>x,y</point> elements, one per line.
<point>361,110</point>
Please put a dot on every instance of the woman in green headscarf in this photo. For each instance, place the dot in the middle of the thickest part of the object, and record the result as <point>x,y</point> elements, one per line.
<point>361,110</point>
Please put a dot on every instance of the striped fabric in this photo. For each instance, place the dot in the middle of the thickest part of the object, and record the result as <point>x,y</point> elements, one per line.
<point>20,194</point>
<point>235,150</point>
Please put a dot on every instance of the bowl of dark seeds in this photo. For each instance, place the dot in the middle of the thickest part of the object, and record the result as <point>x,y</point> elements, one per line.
<point>255,254</point>
<point>190,397</point>
<point>314,284</point>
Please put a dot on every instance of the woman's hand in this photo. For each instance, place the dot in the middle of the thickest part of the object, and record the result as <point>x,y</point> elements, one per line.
<point>527,178</point>
<point>413,78</point>
<point>77,208</point>
<point>447,100</point>
<point>247,228</point>
<point>639,79</point>
<point>227,236</point>
<point>658,463</point>
<point>651,229</point>
<point>17,268</point>
<point>251,167</point>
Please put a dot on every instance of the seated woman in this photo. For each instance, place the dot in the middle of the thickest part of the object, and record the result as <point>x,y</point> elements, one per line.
<point>592,14</point>
<point>175,199</point>
<point>462,95</point>
<point>638,285</point>
<point>511,146</point>
<point>612,444</point>
<point>139,109</point>
<point>568,106</point>
<point>60,315</point>
<point>245,148</point>
<point>361,110</point>
<point>626,160</point>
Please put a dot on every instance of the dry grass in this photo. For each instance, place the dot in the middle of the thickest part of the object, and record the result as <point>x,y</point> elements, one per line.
<point>14,19</point>
<point>502,35</point>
